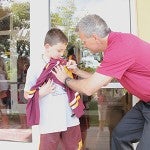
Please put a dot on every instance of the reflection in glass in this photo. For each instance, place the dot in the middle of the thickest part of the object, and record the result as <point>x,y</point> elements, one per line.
<point>103,111</point>
<point>5,46</point>
<point>5,23</point>
<point>23,63</point>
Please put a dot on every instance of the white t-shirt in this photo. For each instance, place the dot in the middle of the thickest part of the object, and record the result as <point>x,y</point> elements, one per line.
<point>55,112</point>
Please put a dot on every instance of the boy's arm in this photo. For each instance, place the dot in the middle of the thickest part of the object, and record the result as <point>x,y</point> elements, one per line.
<point>44,90</point>
<point>31,78</point>
<point>47,88</point>
<point>30,81</point>
<point>26,95</point>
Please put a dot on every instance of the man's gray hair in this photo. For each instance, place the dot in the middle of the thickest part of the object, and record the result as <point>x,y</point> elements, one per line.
<point>93,24</point>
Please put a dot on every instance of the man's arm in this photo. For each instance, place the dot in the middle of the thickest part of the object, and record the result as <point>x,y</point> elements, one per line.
<point>72,65</point>
<point>81,73</point>
<point>87,86</point>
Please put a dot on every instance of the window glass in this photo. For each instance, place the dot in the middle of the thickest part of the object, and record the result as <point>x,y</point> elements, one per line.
<point>14,62</point>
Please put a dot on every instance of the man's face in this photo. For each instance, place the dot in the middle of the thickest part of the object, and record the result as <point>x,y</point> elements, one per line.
<point>90,42</point>
<point>55,51</point>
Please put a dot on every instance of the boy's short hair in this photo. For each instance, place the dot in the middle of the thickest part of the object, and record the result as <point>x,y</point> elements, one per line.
<point>54,36</point>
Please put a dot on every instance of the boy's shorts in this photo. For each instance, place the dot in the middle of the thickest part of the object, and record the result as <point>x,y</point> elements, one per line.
<point>67,140</point>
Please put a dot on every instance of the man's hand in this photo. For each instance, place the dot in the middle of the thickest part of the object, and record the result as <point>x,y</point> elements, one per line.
<point>60,73</point>
<point>72,65</point>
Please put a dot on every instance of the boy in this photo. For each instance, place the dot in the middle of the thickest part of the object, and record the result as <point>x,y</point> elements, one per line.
<point>57,120</point>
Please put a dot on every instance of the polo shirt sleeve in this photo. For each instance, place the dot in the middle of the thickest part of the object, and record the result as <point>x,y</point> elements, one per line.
<point>116,63</point>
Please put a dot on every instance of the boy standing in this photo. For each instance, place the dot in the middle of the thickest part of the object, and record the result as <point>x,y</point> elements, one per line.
<point>58,115</point>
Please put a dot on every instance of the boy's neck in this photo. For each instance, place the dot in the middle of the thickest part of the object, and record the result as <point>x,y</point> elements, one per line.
<point>45,58</point>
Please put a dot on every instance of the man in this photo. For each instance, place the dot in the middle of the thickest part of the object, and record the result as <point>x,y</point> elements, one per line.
<point>126,58</point>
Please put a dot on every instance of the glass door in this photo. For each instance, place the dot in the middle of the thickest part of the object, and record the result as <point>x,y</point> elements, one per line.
<point>20,31</point>
<point>14,62</point>
<point>107,106</point>
<point>14,59</point>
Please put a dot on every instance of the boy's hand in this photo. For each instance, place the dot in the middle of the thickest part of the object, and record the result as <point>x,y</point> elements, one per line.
<point>46,88</point>
<point>26,95</point>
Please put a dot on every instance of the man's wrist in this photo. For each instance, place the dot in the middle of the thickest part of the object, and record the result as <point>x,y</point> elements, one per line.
<point>75,70</point>
<point>66,80</point>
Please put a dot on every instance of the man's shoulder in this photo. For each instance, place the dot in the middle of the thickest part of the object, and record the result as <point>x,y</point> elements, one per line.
<point>112,33</point>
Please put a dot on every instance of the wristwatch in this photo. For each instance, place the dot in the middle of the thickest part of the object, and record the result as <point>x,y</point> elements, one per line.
<point>66,80</point>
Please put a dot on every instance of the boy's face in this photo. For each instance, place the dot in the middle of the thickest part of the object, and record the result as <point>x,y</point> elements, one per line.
<point>55,51</point>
